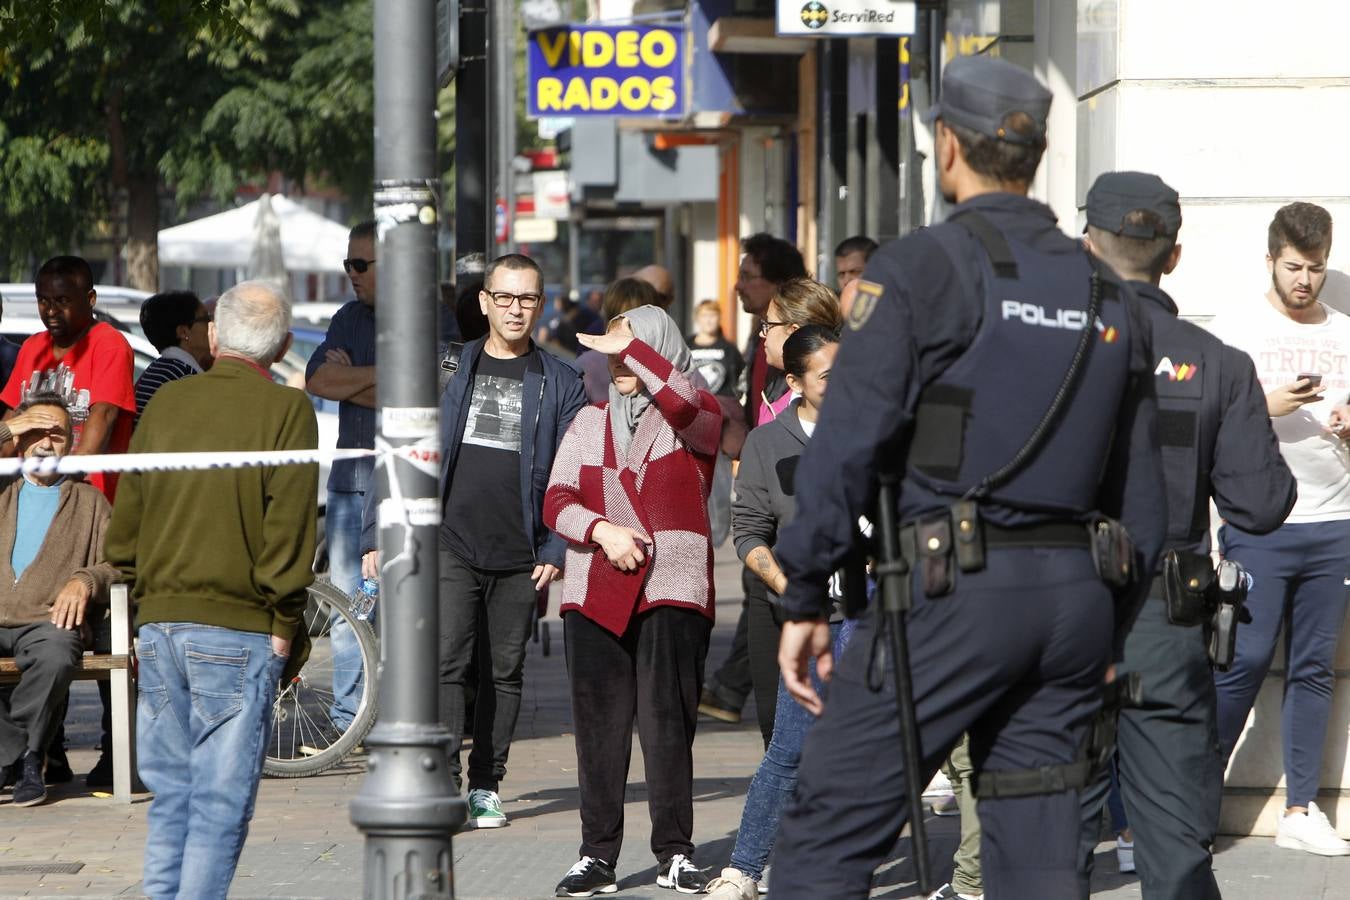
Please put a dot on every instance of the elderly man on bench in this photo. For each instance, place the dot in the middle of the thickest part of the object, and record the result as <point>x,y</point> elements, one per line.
<point>51,570</point>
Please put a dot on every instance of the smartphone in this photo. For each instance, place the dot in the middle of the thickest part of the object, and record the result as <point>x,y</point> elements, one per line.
<point>1315,380</point>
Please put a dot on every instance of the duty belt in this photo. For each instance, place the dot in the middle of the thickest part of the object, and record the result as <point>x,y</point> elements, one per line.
<point>959,535</point>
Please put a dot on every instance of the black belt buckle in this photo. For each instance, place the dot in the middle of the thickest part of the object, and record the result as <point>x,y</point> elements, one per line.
<point>1188,587</point>
<point>968,536</point>
<point>934,539</point>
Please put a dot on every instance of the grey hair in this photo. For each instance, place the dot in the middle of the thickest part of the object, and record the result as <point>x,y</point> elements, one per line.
<point>253,320</point>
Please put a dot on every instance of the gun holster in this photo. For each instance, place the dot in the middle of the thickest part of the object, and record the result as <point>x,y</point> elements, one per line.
<point>1112,552</point>
<point>1231,584</point>
<point>1188,587</point>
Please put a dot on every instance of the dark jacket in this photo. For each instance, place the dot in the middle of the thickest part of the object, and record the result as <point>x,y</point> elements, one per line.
<point>551,400</point>
<point>915,320</point>
<point>1214,431</point>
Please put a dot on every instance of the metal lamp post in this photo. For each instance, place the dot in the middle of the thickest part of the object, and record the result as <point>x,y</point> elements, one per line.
<point>407,807</point>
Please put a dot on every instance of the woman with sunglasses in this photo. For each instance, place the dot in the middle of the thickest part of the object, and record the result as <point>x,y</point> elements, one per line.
<point>629,492</point>
<point>798,302</point>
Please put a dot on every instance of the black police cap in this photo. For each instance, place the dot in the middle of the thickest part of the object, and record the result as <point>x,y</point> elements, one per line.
<point>981,92</point>
<point>1114,195</point>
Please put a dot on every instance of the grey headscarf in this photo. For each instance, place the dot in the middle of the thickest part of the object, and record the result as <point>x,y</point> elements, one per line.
<point>657,330</point>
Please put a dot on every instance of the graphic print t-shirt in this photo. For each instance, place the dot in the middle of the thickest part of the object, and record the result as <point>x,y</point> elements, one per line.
<point>101,362</point>
<point>719,364</point>
<point>484,522</point>
<point>1283,349</point>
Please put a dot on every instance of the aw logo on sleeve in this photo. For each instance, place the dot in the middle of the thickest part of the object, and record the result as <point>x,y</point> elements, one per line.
<point>1183,372</point>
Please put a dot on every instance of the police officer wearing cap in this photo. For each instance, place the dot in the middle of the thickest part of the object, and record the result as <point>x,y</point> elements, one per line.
<point>961,338</point>
<point>1217,443</point>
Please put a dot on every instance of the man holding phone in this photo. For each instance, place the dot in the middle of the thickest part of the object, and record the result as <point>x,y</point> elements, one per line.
<point>1300,348</point>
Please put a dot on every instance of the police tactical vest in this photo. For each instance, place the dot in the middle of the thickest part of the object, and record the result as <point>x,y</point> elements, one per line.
<point>980,413</point>
<point>1186,426</point>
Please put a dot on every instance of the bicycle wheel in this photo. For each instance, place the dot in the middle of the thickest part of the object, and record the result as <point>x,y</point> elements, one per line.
<point>305,740</point>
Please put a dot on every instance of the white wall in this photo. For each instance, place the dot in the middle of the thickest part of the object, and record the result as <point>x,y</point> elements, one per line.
<point>1241,106</point>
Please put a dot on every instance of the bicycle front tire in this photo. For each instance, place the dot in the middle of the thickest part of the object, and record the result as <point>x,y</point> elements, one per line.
<point>304,739</point>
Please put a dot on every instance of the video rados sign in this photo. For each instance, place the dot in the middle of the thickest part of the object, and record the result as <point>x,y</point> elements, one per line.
<point>607,70</point>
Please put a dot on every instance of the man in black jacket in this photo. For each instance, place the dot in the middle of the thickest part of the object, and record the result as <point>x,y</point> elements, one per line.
<point>503,414</point>
<point>1216,442</point>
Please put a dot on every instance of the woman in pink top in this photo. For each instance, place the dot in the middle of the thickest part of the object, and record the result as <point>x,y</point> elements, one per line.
<point>798,302</point>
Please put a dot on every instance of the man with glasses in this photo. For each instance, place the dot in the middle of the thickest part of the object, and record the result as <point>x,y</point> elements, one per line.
<point>342,368</point>
<point>503,415</point>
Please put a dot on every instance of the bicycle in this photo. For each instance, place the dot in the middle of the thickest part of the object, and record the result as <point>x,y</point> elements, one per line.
<point>305,740</point>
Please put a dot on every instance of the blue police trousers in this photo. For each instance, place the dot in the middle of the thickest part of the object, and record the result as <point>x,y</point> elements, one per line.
<point>1015,655</point>
<point>1171,777</point>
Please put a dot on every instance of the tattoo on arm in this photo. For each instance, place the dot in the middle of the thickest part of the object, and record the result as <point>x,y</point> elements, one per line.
<point>764,565</point>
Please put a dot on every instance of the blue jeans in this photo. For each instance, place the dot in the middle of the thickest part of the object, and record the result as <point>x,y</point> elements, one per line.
<point>202,721</point>
<point>776,778</point>
<point>1299,574</point>
<point>343,529</point>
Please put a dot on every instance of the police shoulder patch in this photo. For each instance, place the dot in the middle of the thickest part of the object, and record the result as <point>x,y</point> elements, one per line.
<point>869,294</point>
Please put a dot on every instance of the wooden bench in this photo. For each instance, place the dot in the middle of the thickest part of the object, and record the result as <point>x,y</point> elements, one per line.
<point>116,667</point>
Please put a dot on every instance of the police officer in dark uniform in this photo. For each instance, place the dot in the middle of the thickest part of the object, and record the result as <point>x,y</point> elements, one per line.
<point>1216,442</point>
<point>962,337</point>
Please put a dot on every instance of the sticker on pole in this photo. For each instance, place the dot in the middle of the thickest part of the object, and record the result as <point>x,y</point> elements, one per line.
<point>409,421</point>
<point>417,511</point>
<point>425,455</point>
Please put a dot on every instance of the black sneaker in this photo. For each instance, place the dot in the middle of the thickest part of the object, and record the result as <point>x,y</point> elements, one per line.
<point>590,876</point>
<point>29,789</point>
<point>101,775</point>
<point>680,874</point>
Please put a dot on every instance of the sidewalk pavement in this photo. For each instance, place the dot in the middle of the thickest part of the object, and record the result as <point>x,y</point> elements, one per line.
<point>302,843</point>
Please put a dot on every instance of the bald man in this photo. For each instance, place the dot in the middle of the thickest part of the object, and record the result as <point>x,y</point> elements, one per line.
<point>659,278</point>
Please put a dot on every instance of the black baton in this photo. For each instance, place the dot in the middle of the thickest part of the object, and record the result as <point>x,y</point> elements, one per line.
<point>893,577</point>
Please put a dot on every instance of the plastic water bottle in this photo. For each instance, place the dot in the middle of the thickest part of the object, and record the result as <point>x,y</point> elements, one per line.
<point>363,604</point>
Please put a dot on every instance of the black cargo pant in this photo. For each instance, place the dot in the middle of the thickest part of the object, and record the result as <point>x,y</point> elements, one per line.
<point>1015,656</point>
<point>652,673</point>
<point>1171,771</point>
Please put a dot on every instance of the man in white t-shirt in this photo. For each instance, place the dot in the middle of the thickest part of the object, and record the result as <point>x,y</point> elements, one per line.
<point>1301,349</point>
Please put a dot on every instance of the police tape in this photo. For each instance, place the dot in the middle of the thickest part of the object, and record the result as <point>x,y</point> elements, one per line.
<point>420,454</point>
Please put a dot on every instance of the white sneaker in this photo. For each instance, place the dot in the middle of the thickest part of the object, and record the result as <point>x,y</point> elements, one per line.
<point>1310,832</point>
<point>940,785</point>
<point>732,884</point>
<point>1124,855</point>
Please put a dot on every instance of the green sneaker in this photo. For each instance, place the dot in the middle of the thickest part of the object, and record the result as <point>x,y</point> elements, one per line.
<point>485,809</point>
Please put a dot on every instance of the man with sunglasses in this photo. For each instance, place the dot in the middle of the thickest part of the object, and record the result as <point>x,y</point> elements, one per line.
<point>342,368</point>
<point>503,415</point>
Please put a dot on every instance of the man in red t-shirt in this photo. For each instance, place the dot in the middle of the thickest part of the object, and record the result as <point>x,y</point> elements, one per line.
<point>96,356</point>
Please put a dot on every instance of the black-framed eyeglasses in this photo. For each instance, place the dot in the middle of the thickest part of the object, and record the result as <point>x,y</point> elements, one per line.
<point>766,326</point>
<point>204,317</point>
<point>357,264</point>
<point>504,299</point>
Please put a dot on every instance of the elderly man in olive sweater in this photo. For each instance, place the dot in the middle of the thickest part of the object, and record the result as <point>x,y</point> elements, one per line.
<point>220,562</point>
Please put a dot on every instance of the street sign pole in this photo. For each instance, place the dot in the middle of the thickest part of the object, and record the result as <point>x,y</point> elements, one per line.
<point>407,807</point>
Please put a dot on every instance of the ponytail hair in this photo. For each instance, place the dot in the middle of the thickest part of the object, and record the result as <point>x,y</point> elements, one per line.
<point>802,344</point>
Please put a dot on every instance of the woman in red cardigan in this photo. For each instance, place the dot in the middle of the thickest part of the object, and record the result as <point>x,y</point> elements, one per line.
<point>629,492</point>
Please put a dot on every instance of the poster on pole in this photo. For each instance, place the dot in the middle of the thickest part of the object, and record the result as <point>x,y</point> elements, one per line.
<point>607,70</point>
<point>846,18</point>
